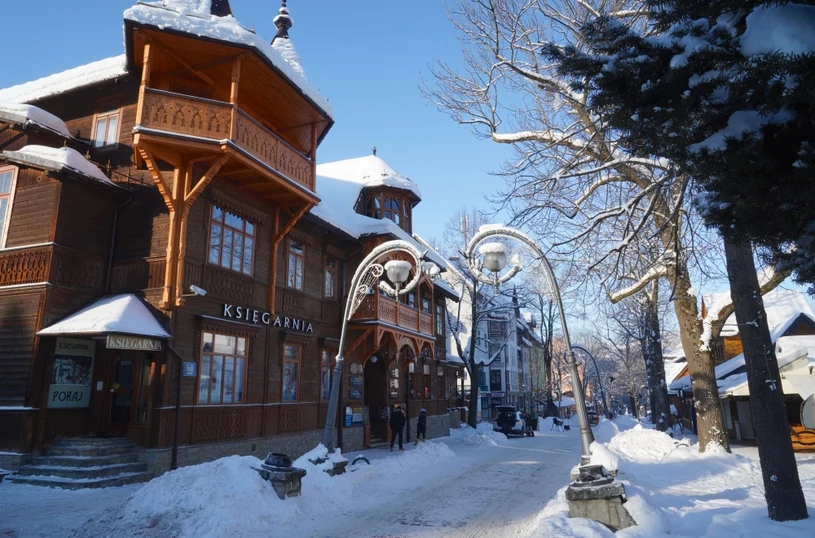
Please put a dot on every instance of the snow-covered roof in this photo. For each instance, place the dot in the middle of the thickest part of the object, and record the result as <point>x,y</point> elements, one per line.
<point>78,77</point>
<point>286,49</point>
<point>673,368</point>
<point>194,17</point>
<point>369,171</point>
<point>782,308</point>
<point>787,350</point>
<point>121,314</point>
<point>336,207</point>
<point>32,115</point>
<point>58,160</point>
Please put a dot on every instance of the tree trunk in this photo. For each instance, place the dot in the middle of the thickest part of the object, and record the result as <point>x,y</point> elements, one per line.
<point>782,487</point>
<point>660,407</point>
<point>709,420</point>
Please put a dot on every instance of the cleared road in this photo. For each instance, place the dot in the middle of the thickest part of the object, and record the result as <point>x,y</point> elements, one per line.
<point>499,492</point>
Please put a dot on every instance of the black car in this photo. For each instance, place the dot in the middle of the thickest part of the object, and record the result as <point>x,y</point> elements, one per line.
<point>510,422</point>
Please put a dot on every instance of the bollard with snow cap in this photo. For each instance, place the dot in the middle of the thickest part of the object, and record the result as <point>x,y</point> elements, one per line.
<point>286,480</point>
<point>598,496</point>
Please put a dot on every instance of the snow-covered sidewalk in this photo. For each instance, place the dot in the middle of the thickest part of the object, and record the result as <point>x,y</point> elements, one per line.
<point>675,491</point>
<point>466,485</point>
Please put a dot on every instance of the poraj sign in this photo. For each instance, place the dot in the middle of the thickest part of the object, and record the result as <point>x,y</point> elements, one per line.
<point>72,373</point>
<point>249,315</point>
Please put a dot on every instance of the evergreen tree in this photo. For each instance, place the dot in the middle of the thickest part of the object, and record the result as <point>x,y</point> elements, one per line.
<point>725,89</point>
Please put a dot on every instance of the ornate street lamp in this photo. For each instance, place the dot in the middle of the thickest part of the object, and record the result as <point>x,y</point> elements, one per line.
<point>493,258</point>
<point>596,374</point>
<point>366,280</point>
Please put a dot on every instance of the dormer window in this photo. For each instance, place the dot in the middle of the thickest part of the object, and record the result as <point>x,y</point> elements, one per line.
<point>390,206</point>
<point>392,211</point>
<point>372,208</point>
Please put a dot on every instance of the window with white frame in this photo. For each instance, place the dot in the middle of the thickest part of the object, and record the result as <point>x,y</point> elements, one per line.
<point>8,178</point>
<point>231,241</point>
<point>222,376</point>
<point>106,128</point>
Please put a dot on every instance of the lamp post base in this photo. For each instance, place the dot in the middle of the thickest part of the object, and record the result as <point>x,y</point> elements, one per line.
<point>597,496</point>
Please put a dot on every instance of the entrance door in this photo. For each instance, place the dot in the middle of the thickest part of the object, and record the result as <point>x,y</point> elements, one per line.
<point>376,396</point>
<point>123,385</point>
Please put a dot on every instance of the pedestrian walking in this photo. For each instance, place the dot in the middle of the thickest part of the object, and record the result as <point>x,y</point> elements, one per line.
<point>421,427</point>
<point>397,423</point>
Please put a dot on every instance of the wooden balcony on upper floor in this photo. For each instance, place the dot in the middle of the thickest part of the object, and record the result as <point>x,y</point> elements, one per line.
<point>377,307</point>
<point>185,122</point>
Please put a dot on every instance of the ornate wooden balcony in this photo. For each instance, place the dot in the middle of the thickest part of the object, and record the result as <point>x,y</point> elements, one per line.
<point>55,264</point>
<point>197,119</point>
<point>378,308</point>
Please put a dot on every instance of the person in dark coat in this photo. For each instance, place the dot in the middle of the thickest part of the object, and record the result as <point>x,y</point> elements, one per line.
<point>397,423</point>
<point>421,427</point>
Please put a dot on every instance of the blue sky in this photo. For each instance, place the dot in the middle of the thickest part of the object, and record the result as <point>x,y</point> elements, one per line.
<point>365,56</point>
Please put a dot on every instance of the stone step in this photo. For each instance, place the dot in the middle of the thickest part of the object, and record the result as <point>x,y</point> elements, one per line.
<point>88,450</point>
<point>92,441</point>
<point>73,483</point>
<point>99,471</point>
<point>87,461</point>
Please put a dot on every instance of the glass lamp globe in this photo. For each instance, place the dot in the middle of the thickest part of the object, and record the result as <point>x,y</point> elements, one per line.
<point>495,256</point>
<point>398,271</point>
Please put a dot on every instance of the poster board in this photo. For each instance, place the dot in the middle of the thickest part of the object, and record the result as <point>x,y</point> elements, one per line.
<point>71,374</point>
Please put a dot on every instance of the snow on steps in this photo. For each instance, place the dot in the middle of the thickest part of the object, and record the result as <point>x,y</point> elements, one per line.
<point>89,462</point>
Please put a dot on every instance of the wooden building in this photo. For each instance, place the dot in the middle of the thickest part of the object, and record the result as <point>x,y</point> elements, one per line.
<point>163,226</point>
<point>791,320</point>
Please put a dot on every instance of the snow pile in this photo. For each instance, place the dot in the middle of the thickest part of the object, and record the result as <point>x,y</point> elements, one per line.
<point>205,500</point>
<point>78,77</point>
<point>30,114</point>
<point>601,455</point>
<point>227,497</point>
<point>640,444</point>
<point>472,437</point>
<point>58,159</point>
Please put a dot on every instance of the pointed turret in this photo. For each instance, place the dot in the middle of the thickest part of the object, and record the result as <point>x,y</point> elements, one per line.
<point>282,43</point>
<point>220,8</point>
<point>283,22</point>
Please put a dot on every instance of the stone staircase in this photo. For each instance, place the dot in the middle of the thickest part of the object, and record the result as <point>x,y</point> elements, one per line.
<point>85,462</point>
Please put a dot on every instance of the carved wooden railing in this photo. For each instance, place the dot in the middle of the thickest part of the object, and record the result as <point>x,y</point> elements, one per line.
<point>61,266</point>
<point>216,120</point>
<point>387,310</point>
<point>408,318</point>
<point>25,266</point>
<point>425,323</point>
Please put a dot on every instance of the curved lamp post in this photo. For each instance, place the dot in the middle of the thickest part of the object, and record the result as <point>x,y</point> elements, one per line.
<point>494,259</point>
<point>596,373</point>
<point>365,280</point>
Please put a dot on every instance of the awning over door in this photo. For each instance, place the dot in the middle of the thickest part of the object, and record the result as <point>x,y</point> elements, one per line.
<point>118,314</point>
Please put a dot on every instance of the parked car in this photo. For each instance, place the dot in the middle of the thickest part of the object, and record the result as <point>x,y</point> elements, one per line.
<point>510,422</point>
<point>594,418</point>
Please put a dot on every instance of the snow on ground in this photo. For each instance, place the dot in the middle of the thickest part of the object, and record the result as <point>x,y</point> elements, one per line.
<point>452,487</point>
<point>673,490</point>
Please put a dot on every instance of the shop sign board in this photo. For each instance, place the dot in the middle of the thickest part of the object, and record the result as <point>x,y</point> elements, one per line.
<point>133,343</point>
<point>72,373</point>
<point>250,315</point>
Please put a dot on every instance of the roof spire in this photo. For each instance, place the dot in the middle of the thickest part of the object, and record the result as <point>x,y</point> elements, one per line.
<point>283,22</point>
<point>220,8</point>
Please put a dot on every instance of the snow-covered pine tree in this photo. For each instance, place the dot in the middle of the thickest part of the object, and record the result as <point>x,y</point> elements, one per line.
<point>724,89</point>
